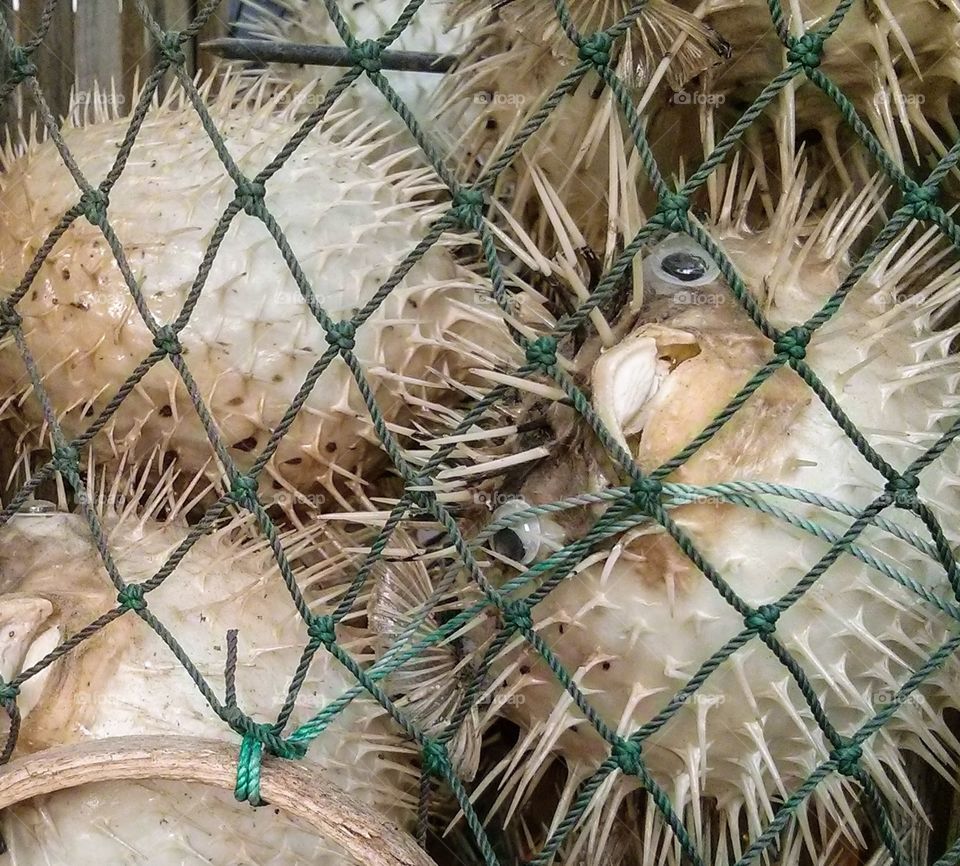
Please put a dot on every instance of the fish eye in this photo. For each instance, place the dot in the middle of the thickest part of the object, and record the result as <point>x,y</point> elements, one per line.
<point>679,261</point>
<point>520,541</point>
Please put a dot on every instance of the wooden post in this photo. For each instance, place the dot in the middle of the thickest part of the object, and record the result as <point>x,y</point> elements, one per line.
<point>55,56</point>
<point>6,107</point>
<point>98,48</point>
<point>218,25</point>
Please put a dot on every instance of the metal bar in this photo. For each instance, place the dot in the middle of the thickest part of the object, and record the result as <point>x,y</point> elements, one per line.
<point>268,51</point>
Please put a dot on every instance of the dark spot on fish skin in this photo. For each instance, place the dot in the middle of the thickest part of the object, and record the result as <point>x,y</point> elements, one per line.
<point>277,377</point>
<point>293,461</point>
<point>524,669</point>
<point>606,666</point>
<point>561,628</point>
<point>65,273</point>
<point>246,445</point>
<point>165,412</point>
<point>80,305</point>
<point>331,447</point>
<point>235,401</point>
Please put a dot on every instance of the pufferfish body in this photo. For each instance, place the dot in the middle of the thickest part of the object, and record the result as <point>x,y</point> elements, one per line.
<point>124,680</point>
<point>758,506</point>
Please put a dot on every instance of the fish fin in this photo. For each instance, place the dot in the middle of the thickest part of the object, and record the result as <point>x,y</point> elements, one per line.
<point>428,687</point>
<point>659,26</point>
<point>21,618</point>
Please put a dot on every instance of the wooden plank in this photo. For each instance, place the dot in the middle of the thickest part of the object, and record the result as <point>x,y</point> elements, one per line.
<point>55,56</point>
<point>135,48</point>
<point>97,43</point>
<point>217,26</point>
<point>176,15</point>
<point>7,110</point>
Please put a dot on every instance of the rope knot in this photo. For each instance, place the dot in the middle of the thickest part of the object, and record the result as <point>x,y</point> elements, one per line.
<point>323,629</point>
<point>764,619</point>
<point>131,597</point>
<point>467,204</point>
<point>8,693</point>
<point>595,49</point>
<point>903,489</point>
<point>247,788</point>
<point>264,735</point>
<point>847,758</point>
<point>65,459</point>
<point>9,317</point>
<point>646,493</point>
<point>672,211</point>
<point>171,47</point>
<point>341,335</point>
<point>250,195</point>
<point>20,66</point>
<point>167,340</point>
<point>627,755</point>
<point>435,759</point>
<point>793,343</point>
<point>243,491</point>
<point>256,738</point>
<point>807,50</point>
<point>366,55</point>
<point>921,202</point>
<point>93,205</point>
<point>517,616</point>
<point>542,352</point>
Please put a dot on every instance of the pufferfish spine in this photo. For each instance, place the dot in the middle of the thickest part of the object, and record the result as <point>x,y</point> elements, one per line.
<point>513,62</point>
<point>350,216</point>
<point>125,681</point>
<point>636,619</point>
<point>896,63</point>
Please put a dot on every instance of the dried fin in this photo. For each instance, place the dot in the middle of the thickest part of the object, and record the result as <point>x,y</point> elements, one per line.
<point>428,687</point>
<point>660,25</point>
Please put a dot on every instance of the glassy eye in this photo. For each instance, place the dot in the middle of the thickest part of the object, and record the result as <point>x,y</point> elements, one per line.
<point>519,541</point>
<point>679,261</point>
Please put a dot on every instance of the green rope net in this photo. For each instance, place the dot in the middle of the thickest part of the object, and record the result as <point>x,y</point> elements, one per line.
<point>646,498</point>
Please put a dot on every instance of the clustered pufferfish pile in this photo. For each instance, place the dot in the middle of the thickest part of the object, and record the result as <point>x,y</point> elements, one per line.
<point>759,512</point>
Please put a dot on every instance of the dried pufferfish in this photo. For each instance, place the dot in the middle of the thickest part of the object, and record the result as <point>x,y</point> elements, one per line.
<point>350,217</point>
<point>125,681</point>
<point>636,619</point>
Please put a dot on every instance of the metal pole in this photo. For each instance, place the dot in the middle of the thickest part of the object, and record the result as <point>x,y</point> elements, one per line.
<point>268,51</point>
